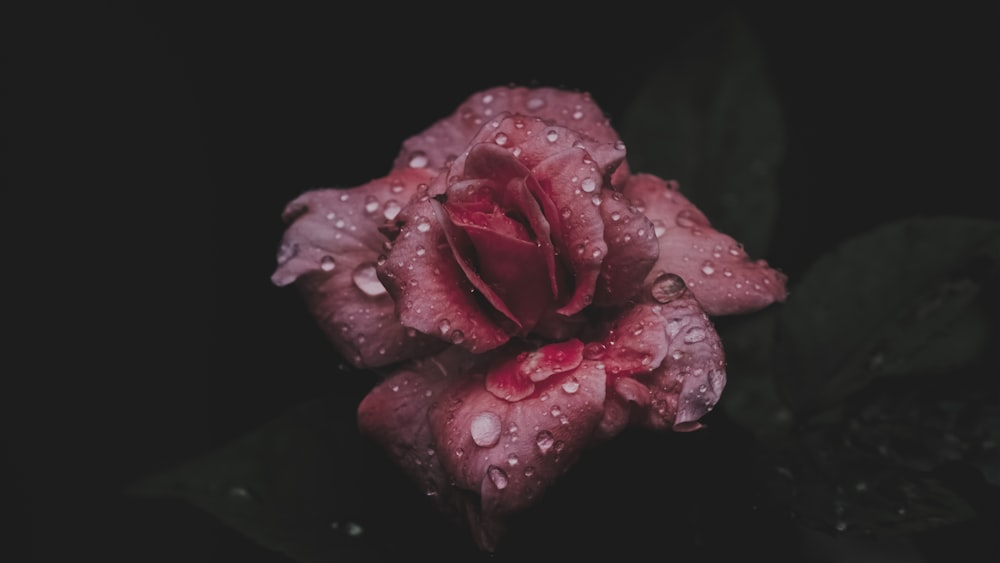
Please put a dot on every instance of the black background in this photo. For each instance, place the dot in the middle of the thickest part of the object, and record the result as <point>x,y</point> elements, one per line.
<point>152,148</point>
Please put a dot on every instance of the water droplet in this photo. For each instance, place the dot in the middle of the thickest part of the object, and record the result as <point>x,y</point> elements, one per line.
<point>535,104</point>
<point>529,471</point>
<point>588,185</point>
<point>457,337</point>
<point>327,263</point>
<point>708,268</point>
<point>444,325</point>
<point>485,429</point>
<point>500,139</point>
<point>615,216</point>
<point>392,208</point>
<point>667,287</point>
<point>418,160</point>
<point>512,460</point>
<point>552,136</point>
<point>544,440</point>
<point>498,477</point>
<point>555,410</point>
<point>286,252</point>
<point>685,218</point>
<point>423,225</point>
<point>593,350</point>
<point>371,204</point>
<point>577,114</point>
<point>367,281</point>
<point>694,335</point>
<point>596,253</point>
<point>571,385</point>
<point>459,452</point>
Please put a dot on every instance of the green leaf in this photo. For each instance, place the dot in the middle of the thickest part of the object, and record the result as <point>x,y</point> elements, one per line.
<point>910,298</point>
<point>708,118</point>
<point>290,485</point>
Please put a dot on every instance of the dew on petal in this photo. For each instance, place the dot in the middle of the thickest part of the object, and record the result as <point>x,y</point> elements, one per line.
<point>694,335</point>
<point>512,460</point>
<point>535,104</point>
<point>391,209</point>
<point>423,225</point>
<point>457,337</point>
<point>571,385</point>
<point>708,268</point>
<point>371,204</point>
<point>667,287</point>
<point>497,476</point>
<point>685,218</point>
<point>588,185</point>
<point>552,136</point>
<point>418,160</point>
<point>444,325</point>
<point>500,139</point>
<point>327,263</point>
<point>544,441</point>
<point>367,281</point>
<point>485,429</point>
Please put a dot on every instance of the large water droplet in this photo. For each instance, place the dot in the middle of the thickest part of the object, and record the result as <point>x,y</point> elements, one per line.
<point>571,385</point>
<point>500,139</point>
<point>685,218</point>
<point>667,287</point>
<point>457,337</point>
<point>498,477</point>
<point>544,440</point>
<point>418,160</point>
<point>512,460</point>
<point>588,185</point>
<point>552,136</point>
<point>423,225</point>
<point>485,429</point>
<point>392,208</point>
<point>694,335</point>
<point>327,263</point>
<point>367,281</point>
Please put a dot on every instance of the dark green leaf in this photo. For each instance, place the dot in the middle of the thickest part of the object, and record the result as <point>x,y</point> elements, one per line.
<point>708,119</point>
<point>751,397</point>
<point>291,485</point>
<point>911,298</point>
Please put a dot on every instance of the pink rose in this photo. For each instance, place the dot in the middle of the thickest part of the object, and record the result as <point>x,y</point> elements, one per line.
<point>532,296</point>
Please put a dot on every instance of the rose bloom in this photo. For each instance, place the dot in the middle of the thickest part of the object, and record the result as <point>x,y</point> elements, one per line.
<point>528,296</point>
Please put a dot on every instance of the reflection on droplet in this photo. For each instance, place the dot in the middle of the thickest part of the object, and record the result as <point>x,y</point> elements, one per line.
<point>498,477</point>
<point>588,185</point>
<point>667,287</point>
<point>367,281</point>
<point>552,136</point>
<point>512,460</point>
<point>392,208</point>
<point>500,139</point>
<point>571,385</point>
<point>544,440</point>
<point>327,263</point>
<point>485,429</point>
<point>695,334</point>
<point>418,160</point>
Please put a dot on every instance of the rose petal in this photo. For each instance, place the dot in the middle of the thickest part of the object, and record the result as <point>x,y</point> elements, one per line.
<point>577,228</point>
<point>632,250</point>
<point>666,343</point>
<point>432,292</point>
<point>714,266</point>
<point>512,451</point>
<point>451,136</point>
<point>330,248</point>
<point>514,378</point>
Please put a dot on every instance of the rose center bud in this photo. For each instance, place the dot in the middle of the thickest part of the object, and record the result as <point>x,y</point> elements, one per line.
<point>499,231</point>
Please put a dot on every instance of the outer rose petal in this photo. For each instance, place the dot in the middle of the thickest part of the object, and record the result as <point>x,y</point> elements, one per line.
<point>669,349</point>
<point>330,249</point>
<point>508,453</point>
<point>451,136</point>
<point>714,266</point>
<point>432,292</point>
<point>477,455</point>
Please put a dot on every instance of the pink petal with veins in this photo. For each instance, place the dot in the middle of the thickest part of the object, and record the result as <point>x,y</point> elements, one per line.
<point>714,266</point>
<point>330,249</point>
<point>632,250</point>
